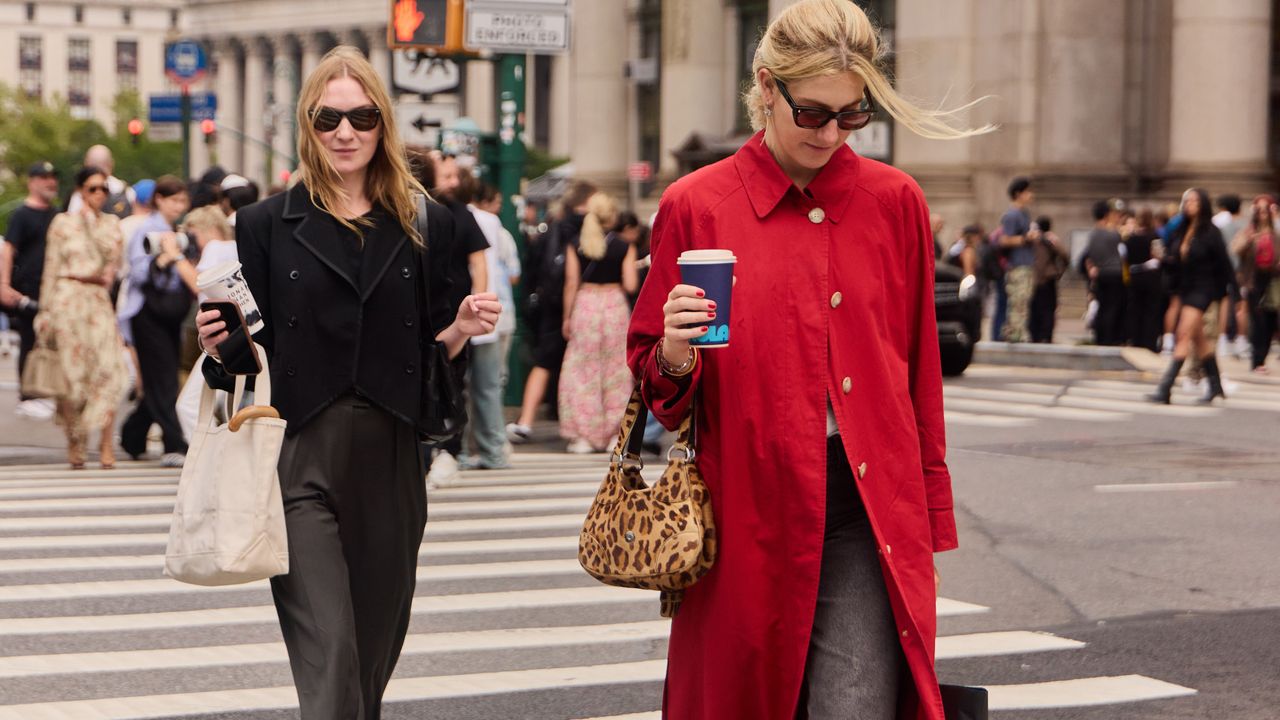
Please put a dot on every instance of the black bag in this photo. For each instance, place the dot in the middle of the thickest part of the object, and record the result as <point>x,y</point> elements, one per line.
<point>443,410</point>
<point>168,305</point>
<point>964,703</point>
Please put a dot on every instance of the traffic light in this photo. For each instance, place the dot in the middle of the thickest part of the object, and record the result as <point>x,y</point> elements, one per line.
<point>426,25</point>
<point>208,127</point>
<point>135,130</point>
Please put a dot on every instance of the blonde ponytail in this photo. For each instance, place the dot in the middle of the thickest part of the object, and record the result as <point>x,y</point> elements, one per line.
<point>602,213</point>
<point>823,37</point>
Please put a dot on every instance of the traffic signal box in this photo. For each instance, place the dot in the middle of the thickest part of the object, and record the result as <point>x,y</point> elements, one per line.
<point>427,25</point>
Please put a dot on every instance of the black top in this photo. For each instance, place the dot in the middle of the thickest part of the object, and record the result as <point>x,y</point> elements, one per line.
<point>353,242</point>
<point>1138,246</point>
<point>1206,270</point>
<point>468,238</point>
<point>27,230</point>
<point>544,274</point>
<point>332,328</point>
<point>607,269</point>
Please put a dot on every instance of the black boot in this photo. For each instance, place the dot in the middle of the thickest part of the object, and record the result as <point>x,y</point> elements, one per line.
<point>1165,389</point>
<point>1210,364</point>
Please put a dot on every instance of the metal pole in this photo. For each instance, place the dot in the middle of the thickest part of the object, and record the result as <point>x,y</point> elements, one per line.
<point>186,132</point>
<point>510,168</point>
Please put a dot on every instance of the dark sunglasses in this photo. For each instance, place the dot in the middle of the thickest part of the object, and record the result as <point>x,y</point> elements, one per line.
<point>812,118</point>
<point>95,189</point>
<point>325,119</point>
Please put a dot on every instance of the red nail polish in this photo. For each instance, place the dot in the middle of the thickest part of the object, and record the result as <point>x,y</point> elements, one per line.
<point>711,304</point>
<point>701,294</point>
<point>711,316</point>
<point>705,328</point>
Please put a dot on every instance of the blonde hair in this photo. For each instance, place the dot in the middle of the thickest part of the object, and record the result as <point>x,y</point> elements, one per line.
<point>602,213</point>
<point>389,181</point>
<point>815,38</point>
<point>209,217</point>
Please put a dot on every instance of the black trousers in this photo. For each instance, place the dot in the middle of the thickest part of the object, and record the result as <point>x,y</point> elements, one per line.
<point>1108,326</point>
<point>25,325</point>
<point>1144,310</point>
<point>1044,312</point>
<point>1263,323</point>
<point>156,341</point>
<point>355,508</point>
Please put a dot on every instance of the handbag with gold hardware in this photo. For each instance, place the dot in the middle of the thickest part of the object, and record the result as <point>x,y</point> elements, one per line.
<point>661,537</point>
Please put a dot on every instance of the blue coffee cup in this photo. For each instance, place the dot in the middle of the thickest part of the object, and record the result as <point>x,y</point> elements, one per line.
<point>711,270</point>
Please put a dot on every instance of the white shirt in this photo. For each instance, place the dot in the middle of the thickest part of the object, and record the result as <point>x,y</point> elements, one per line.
<point>503,262</point>
<point>217,252</point>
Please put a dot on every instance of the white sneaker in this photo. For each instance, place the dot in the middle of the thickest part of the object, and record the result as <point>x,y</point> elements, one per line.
<point>1224,346</point>
<point>1243,348</point>
<point>1228,386</point>
<point>518,433</point>
<point>444,471</point>
<point>173,460</point>
<point>41,409</point>
<point>1166,346</point>
<point>580,447</point>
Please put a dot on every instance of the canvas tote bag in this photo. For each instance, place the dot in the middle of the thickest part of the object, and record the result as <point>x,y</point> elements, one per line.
<point>228,524</point>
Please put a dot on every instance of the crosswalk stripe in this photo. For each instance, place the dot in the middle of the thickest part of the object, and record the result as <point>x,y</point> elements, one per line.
<point>633,716</point>
<point>399,690</point>
<point>1069,400</point>
<point>1165,487</point>
<point>422,605</point>
<point>428,550</point>
<point>1013,642</point>
<point>273,652</point>
<point>955,417</point>
<point>155,490</point>
<point>993,407</point>
<point>1082,692</point>
<point>439,509</point>
<point>1136,397</point>
<point>164,586</point>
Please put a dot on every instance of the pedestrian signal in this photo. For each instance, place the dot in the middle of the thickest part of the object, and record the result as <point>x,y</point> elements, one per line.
<point>426,25</point>
<point>208,127</point>
<point>135,129</point>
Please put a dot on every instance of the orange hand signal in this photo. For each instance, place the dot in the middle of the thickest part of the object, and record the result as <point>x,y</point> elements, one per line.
<point>406,19</point>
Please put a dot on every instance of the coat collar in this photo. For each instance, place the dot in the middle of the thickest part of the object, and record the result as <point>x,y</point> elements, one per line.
<point>766,184</point>
<point>313,231</point>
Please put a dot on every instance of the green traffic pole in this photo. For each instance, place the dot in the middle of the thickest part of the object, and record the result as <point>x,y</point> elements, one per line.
<point>510,167</point>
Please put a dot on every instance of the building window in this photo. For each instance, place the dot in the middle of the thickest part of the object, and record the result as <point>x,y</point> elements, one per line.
<point>173,19</point>
<point>31,12</point>
<point>78,78</point>
<point>127,64</point>
<point>649,95</point>
<point>79,14</point>
<point>753,18</point>
<point>30,65</point>
<point>126,16</point>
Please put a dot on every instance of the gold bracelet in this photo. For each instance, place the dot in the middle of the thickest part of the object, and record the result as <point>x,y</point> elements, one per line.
<point>674,372</point>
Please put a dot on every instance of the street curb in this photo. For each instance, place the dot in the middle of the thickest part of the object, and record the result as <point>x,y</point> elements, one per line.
<point>1065,357</point>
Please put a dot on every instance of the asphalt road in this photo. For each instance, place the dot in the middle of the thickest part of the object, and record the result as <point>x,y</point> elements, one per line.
<point>1118,560</point>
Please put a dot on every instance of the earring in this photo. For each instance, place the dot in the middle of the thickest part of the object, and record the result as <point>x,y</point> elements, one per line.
<point>768,112</point>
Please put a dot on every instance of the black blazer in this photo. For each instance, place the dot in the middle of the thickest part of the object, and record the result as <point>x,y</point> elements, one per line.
<point>327,333</point>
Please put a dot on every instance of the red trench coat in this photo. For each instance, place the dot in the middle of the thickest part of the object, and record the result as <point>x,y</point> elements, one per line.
<point>839,304</point>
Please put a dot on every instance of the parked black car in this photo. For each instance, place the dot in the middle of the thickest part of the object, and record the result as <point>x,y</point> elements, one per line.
<point>958,305</point>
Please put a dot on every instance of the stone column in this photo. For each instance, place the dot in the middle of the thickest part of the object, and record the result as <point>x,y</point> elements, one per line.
<point>693,74</point>
<point>379,54</point>
<point>255,108</point>
<point>284,99</point>
<point>230,117</point>
<point>311,53</point>
<point>479,93</point>
<point>1221,75</point>
<point>599,91</point>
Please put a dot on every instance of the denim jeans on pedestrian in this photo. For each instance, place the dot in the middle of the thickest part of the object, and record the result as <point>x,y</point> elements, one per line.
<point>487,421</point>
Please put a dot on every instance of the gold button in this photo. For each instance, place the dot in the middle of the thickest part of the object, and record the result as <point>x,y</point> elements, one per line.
<point>836,299</point>
<point>847,385</point>
<point>905,633</point>
<point>888,549</point>
<point>816,215</point>
<point>862,471</point>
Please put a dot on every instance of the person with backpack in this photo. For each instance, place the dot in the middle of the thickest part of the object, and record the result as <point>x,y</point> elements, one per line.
<point>1016,238</point>
<point>1255,245</point>
<point>1052,260</point>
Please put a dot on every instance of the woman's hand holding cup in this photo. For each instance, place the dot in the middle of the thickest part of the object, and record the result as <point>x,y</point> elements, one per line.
<point>685,315</point>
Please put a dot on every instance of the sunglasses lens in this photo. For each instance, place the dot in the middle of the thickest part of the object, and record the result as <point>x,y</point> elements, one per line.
<point>364,119</point>
<point>326,119</point>
<point>856,121</point>
<point>811,119</point>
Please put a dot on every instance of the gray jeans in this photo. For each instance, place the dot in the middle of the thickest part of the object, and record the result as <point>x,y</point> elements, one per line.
<point>855,661</point>
<point>488,370</point>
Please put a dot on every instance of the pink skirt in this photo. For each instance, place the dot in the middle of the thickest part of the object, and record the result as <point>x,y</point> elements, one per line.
<point>595,383</point>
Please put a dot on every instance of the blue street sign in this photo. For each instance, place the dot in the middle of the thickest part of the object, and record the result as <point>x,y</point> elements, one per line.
<point>168,108</point>
<point>185,61</point>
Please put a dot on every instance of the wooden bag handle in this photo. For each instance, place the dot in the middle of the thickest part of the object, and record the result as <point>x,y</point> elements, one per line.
<point>251,412</point>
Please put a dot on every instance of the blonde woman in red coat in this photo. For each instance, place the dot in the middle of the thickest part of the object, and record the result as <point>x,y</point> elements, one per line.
<point>820,426</point>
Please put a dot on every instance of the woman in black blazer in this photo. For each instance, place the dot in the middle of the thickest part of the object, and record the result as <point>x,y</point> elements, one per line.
<point>334,265</point>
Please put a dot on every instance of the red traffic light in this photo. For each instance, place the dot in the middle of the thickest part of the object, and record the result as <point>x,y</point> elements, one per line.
<point>135,127</point>
<point>208,126</point>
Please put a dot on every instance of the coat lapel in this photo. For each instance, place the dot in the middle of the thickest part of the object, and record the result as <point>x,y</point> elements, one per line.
<point>381,247</point>
<point>312,231</point>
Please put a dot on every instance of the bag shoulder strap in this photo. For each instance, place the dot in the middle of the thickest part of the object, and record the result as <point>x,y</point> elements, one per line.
<point>422,296</point>
<point>631,443</point>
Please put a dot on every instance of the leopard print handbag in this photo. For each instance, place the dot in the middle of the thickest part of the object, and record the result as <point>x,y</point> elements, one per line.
<point>660,537</point>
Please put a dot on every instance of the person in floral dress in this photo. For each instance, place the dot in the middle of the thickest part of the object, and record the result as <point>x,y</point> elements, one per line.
<point>77,319</point>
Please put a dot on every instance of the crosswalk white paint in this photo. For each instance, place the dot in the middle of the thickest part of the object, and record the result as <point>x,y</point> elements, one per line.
<point>479,528</point>
<point>1166,487</point>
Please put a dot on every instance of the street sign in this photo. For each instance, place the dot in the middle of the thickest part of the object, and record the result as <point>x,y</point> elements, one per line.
<point>168,108</point>
<point>415,71</point>
<point>185,62</point>
<point>420,122</point>
<point>640,171</point>
<point>537,28</point>
<point>164,132</point>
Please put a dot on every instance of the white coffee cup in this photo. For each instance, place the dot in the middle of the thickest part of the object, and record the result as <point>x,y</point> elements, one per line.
<point>226,282</point>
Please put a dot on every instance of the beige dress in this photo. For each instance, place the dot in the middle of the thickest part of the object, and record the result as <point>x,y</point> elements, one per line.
<point>78,318</point>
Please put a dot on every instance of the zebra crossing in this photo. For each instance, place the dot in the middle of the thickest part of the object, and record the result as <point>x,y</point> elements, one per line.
<point>1020,404</point>
<point>504,624</point>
